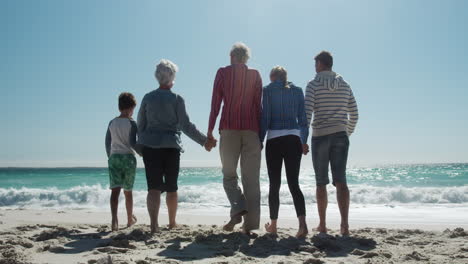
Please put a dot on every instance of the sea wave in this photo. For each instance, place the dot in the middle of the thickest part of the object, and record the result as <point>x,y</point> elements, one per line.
<point>212,195</point>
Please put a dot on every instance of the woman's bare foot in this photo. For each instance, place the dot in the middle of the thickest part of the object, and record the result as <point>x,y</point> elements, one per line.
<point>115,225</point>
<point>236,219</point>
<point>271,228</point>
<point>302,232</point>
<point>172,225</point>
<point>132,221</point>
<point>344,230</point>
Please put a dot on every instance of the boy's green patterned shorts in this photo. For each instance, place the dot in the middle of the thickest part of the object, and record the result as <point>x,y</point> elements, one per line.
<point>122,170</point>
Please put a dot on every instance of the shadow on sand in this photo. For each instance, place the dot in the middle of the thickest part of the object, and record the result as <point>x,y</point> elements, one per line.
<point>223,244</point>
<point>186,243</point>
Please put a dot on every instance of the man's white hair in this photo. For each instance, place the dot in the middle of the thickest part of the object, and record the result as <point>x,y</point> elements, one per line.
<point>165,72</point>
<point>241,52</point>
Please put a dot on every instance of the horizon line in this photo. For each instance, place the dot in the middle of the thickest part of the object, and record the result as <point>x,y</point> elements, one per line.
<point>219,166</point>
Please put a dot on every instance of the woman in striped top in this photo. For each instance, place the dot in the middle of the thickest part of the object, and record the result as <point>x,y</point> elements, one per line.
<point>284,120</point>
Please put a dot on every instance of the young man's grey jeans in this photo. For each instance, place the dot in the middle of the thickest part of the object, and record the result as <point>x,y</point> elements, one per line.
<point>243,144</point>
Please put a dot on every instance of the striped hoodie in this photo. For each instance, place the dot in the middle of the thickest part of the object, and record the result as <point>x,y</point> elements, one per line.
<point>330,99</point>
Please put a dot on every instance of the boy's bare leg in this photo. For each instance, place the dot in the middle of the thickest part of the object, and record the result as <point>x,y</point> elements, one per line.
<point>342,196</point>
<point>153,201</point>
<point>171,201</point>
<point>302,231</point>
<point>322,203</point>
<point>114,204</point>
<point>131,218</point>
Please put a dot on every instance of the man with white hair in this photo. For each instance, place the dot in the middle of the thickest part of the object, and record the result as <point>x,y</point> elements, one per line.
<point>240,90</point>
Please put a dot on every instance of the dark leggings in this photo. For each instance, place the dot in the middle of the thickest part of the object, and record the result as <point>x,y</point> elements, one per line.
<point>289,149</point>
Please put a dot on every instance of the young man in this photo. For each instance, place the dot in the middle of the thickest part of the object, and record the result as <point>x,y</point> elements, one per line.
<point>240,90</point>
<point>332,102</point>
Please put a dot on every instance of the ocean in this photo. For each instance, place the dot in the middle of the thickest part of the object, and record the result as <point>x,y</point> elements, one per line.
<point>424,186</point>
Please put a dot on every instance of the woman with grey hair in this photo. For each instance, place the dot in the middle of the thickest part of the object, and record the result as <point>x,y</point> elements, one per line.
<point>161,119</point>
<point>284,120</point>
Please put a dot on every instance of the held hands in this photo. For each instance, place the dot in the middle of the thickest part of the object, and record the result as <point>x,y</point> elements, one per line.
<point>305,149</point>
<point>210,142</point>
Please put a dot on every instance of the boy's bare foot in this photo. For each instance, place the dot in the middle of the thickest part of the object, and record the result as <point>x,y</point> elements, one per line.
<point>271,228</point>
<point>302,232</point>
<point>236,219</point>
<point>132,221</point>
<point>115,225</point>
<point>322,228</point>
<point>344,230</point>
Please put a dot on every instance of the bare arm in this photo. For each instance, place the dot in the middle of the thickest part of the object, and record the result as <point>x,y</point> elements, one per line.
<point>108,140</point>
<point>133,137</point>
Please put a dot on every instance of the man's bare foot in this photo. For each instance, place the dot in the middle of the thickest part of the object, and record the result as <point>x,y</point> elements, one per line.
<point>271,228</point>
<point>302,232</point>
<point>132,221</point>
<point>233,222</point>
<point>344,230</point>
<point>236,219</point>
<point>322,229</point>
<point>248,232</point>
<point>115,225</point>
<point>154,229</point>
<point>172,225</point>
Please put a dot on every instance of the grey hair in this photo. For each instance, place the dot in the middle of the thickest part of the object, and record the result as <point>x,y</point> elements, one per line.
<point>281,74</point>
<point>165,72</point>
<point>241,52</point>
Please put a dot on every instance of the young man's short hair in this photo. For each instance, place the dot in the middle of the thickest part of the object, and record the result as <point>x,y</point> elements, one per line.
<point>325,58</point>
<point>126,101</point>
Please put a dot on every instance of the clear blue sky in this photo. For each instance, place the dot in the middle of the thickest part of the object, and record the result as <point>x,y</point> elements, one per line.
<point>65,62</point>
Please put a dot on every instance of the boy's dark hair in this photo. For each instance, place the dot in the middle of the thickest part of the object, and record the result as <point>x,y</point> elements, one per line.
<point>325,58</point>
<point>126,101</point>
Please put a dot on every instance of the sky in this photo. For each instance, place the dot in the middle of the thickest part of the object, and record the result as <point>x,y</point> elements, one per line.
<point>64,64</point>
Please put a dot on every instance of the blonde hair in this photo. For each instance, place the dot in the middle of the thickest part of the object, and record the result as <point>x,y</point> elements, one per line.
<point>241,52</point>
<point>280,73</point>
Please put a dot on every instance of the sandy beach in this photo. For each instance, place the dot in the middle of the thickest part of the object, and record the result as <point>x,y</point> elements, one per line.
<point>81,236</point>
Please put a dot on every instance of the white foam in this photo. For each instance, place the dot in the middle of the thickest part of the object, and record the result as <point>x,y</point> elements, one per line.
<point>213,196</point>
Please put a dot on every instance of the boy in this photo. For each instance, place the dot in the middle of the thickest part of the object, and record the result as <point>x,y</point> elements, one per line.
<point>120,147</point>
